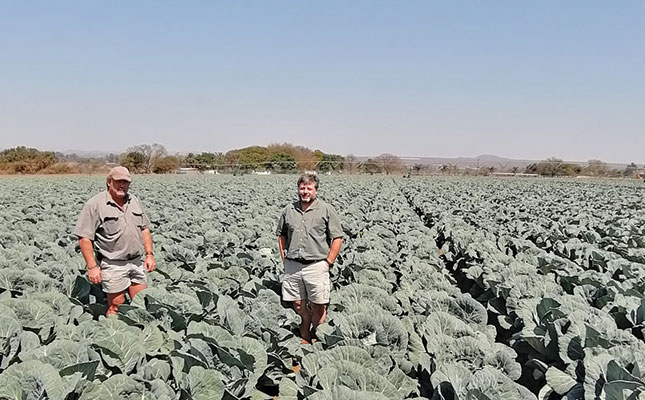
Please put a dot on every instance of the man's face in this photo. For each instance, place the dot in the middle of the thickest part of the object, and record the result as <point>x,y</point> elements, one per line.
<point>118,188</point>
<point>307,192</point>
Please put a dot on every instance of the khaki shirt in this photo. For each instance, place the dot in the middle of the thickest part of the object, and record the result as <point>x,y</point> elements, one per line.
<point>309,234</point>
<point>116,233</point>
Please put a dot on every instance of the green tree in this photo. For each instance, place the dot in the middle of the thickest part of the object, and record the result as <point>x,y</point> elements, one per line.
<point>204,161</point>
<point>282,162</point>
<point>306,159</point>
<point>330,162</point>
<point>165,165</point>
<point>134,161</point>
<point>248,157</point>
<point>25,160</point>
<point>188,161</point>
<point>254,156</point>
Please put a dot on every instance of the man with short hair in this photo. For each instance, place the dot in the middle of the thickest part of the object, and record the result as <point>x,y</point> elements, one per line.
<point>309,236</point>
<point>113,226</point>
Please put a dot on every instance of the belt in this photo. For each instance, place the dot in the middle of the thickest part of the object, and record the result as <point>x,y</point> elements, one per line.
<point>303,261</point>
<point>99,259</point>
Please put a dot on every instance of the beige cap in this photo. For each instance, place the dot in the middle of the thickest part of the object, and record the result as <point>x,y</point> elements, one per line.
<point>120,174</point>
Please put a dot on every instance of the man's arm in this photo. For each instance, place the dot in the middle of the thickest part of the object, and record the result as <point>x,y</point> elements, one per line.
<point>150,262</point>
<point>87,249</point>
<point>282,240</point>
<point>334,249</point>
<point>335,232</point>
<point>281,231</point>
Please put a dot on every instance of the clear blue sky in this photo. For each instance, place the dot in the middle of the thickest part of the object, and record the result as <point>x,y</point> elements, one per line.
<point>419,78</point>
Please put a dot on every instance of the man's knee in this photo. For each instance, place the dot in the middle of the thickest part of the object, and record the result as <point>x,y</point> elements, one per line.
<point>136,288</point>
<point>300,307</point>
<point>114,301</point>
<point>116,298</point>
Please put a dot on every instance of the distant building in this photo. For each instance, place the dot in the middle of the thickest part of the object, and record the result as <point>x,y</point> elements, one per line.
<point>187,171</point>
<point>514,174</point>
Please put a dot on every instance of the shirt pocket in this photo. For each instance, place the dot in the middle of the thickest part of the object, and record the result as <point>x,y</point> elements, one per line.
<point>318,229</point>
<point>112,224</point>
<point>137,216</point>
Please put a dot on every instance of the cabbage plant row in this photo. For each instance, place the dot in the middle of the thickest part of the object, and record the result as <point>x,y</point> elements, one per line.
<point>538,293</point>
<point>560,265</point>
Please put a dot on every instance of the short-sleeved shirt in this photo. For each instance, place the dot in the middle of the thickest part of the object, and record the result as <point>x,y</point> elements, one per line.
<point>310,233</point>
<point>116,232</point>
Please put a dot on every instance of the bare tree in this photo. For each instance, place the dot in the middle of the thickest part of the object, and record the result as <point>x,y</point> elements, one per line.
<point>631,171</point>
<point>595,168</point>
<point>351,164</point>
<point>151,153</point>
<point>390,163</point>
<point>371,167</point>
<point>419,168</point>
<point>449,169</point>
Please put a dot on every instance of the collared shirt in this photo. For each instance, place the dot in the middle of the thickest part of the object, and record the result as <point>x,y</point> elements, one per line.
<point>309,233</point>
<point>116,232</point>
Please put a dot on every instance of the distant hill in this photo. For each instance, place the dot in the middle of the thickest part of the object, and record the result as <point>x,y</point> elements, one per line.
<point>484,160</point>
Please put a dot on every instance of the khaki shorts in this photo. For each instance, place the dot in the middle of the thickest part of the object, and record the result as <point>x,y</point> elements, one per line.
<point>306,281</point>
<point>117,276</point>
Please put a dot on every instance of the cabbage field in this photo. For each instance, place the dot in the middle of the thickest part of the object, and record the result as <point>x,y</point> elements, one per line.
<point>446,288</point>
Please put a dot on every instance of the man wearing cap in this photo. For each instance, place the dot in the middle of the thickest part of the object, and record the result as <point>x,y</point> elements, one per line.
<point>114,235</point>
<point>309,236</point>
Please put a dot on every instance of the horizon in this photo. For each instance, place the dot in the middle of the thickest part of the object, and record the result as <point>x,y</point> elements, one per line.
<point>484,157</point>
<point>524,81</point>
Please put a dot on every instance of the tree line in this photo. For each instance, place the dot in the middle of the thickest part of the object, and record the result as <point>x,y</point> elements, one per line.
<point>557,167</point>
<point>155,159</point>
<point>278,158</point>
